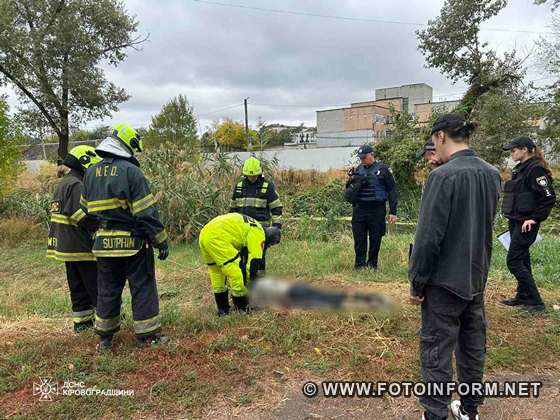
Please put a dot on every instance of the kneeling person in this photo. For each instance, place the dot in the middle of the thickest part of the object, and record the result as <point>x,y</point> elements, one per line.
<point>233,246</point>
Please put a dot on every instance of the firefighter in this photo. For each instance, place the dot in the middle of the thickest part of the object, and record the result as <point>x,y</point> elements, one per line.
<point>118,194</point>
<point>233,246</point>
<point>528,200</point>
<point>70,236</point>
<point>369,187</point>
<point>256,196</point>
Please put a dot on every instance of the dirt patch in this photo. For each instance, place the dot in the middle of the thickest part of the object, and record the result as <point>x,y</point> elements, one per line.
<point>285,400</point>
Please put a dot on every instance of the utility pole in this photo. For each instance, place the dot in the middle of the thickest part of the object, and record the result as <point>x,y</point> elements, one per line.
<point>247,136</point>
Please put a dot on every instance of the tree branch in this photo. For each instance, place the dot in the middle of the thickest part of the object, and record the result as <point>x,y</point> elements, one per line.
<point>132,44</point>
<point>31,97</point>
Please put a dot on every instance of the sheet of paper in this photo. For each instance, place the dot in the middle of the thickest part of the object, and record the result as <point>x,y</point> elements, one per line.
<point>505,239</point>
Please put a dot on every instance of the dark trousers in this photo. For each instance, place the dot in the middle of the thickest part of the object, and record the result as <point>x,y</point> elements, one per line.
<point>451,323</point>
<point>82,282</point>
<point>519,262</point>
<point>368,224</point>
<point>139,269</point>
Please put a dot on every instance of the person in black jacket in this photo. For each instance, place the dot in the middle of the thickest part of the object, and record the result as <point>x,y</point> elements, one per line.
<point>449,265</point>
<point>369,187</point>
<point>256,196</point>
<point>528,200</point>
<point>70,236</point>
<point>117,193</point>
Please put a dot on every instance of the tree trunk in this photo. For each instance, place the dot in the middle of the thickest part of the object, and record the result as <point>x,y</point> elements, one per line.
<point>63,139</point>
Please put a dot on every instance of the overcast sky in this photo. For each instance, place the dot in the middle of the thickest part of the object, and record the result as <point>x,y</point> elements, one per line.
<point>287,64</point>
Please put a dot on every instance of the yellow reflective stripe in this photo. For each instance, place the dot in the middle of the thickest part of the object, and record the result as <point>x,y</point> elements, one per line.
<point>78,215</point>
<point>108,204</point>
<point>143,204</point>
<point>147,325</point>
<point>276,203</point>
<point>83,201</point>
<point>102,232</point>
<point>264,187</point>
<point>70,256</point>
<point>115,252</point>
<point>102,324</point>
<point>62,219</point>
<point>160,237</point>
<point>276,219</point>
<point>251,202</point>
<point>240,184</point>
<point>82,316</point>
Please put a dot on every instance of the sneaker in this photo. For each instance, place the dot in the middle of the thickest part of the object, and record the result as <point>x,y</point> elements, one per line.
<point>458,413</point>
<point>533,309</point>
<point>152,341</point>
<point>105,344</point>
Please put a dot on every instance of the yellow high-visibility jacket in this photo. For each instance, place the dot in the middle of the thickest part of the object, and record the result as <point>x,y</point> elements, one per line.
<point>226,237</point>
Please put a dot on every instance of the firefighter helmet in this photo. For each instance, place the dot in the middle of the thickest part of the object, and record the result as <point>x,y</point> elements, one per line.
<point>85,155</point>
<point>252,167</point>
<point>128,136</point>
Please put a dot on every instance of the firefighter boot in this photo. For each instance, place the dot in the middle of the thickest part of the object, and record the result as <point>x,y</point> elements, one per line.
<point>222,301</point>
<point>241,303</point>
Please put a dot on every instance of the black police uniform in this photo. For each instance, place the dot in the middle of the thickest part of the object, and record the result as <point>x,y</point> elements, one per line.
<point>70,241</point>
<point>376,185</point>
<point>117,193</point>
<point>258,200</point>
<point>528,195</point>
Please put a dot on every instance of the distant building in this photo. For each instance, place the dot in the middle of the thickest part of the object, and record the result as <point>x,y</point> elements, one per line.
<point>367,121</point>
<point>424,111</point>
<point>410,95</point>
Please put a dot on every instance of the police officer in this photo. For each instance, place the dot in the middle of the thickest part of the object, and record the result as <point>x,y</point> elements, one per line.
<point>370,185</point>
<point>118,194</point>
<point>70,237</point>
<point>429,155</point>
<point>233,246</point>
<point>256,196</point>
<point>528,200</point>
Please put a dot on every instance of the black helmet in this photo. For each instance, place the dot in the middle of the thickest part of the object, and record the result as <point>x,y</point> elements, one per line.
<point>272,235</point>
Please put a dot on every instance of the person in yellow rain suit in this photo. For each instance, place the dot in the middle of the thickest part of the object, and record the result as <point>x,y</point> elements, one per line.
<point>233,246</point>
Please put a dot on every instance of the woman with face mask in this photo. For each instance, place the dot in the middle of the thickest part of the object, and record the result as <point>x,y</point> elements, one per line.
<point>528,200</point>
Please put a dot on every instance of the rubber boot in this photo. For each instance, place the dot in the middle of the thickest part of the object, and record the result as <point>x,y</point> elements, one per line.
<point>241,303</point>
<point>222,302</point>
<point>105,343</point>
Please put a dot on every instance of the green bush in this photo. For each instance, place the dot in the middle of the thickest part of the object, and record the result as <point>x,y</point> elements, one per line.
<point>25,204</point>
<point>191,188</point>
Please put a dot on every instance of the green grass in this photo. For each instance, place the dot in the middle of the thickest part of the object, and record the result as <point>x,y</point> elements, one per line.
<point>211,357</point>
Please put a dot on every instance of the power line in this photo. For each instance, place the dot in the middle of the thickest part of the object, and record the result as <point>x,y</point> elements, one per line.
<point>354,18</point>
<point>220,109</point>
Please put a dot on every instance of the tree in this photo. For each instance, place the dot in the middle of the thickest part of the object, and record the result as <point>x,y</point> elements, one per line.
<point>232,133</point>
<point>10,139</point>
<point>176,124</point>
<point>502,117</point>
<point>399,148</point>
<point>451,43</point>
<point>51,51</point>
<point>554,3</point>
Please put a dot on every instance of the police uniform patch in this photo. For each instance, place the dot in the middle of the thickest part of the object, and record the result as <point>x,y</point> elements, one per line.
<point>542,181</point>
<point>55,207</point>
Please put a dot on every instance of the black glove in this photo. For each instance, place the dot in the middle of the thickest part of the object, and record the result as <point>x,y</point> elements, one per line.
<point>163,250</point>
